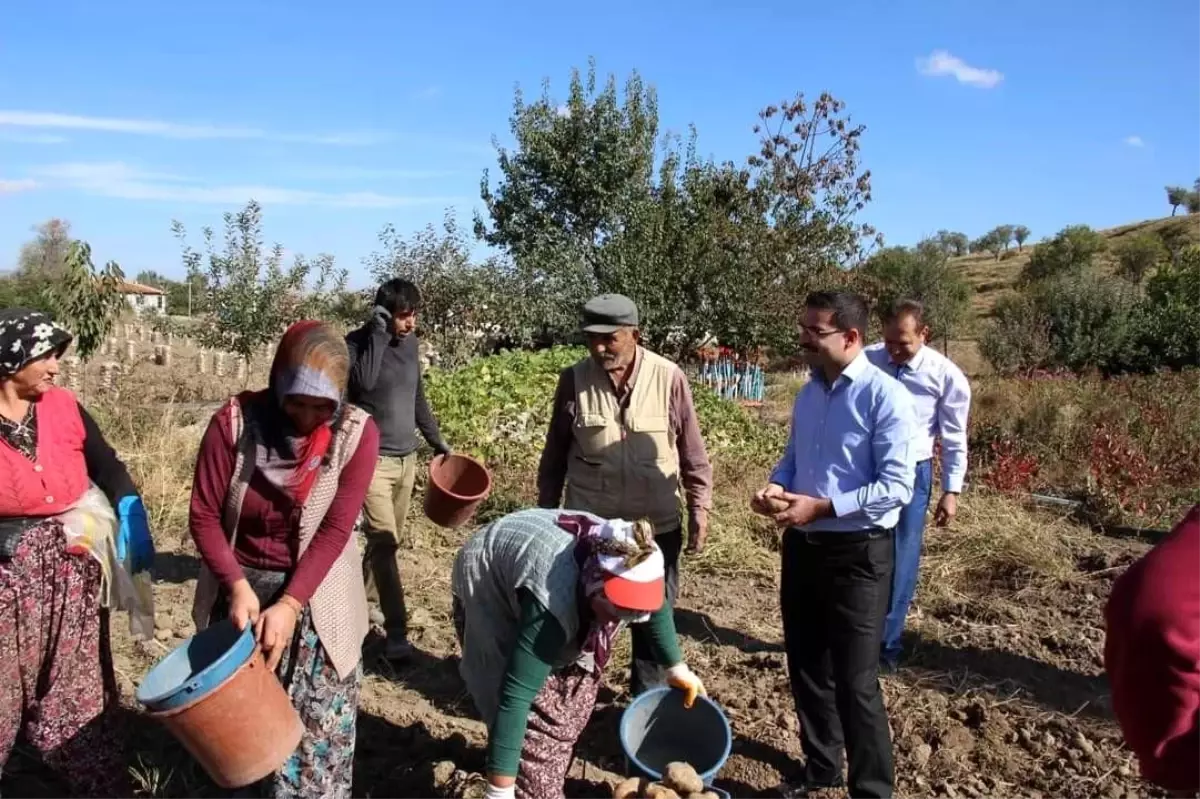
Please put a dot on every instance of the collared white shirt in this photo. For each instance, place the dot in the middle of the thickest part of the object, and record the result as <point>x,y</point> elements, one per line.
<point>942,399</point>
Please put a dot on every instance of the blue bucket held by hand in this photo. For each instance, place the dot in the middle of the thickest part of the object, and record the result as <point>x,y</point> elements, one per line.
<point>656,729</point>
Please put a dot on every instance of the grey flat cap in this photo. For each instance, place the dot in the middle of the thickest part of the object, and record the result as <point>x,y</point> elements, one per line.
<point>607,313</point>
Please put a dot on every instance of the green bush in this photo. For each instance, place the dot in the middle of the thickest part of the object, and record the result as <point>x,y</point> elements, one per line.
<point>1081,322</point>
<point>1168,322</point>
<point>1018,339</point>
<point>1069,322</point>
<point>1068,253</point>
<point>1139,255</point>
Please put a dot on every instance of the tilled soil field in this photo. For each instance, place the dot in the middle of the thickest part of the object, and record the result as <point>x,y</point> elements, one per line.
<point>1003,693</point>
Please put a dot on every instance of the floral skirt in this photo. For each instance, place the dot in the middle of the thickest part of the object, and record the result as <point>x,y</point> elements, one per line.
<point>57,685</point>
<point>323,764</point>
<point>560,712</point>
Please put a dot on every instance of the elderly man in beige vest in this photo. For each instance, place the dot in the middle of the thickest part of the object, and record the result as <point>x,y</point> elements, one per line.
<point>625,440</point>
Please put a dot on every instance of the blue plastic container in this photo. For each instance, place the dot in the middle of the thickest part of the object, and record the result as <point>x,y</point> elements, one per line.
<point>656,729</point>
<point>196,666</point>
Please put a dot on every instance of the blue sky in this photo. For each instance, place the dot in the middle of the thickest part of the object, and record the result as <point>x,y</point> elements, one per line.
<point>121,116</point>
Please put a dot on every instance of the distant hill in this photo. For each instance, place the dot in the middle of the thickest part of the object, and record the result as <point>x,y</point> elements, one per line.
<point>992,279</point>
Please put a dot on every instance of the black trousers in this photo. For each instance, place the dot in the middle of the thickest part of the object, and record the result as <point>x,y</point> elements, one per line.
<point>834,592</point>
<point>645,673</point>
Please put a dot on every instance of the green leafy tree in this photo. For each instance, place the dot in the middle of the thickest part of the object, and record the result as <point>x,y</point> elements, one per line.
<point>922,273</point>
<point>1176,196</point>
<point>1004,233</point>
<point>995,243</point>
<point>467,308</point>
<point>148,277</point>
<point>40,263</point>
<point>1139,255</point>
<point>567,187</point>
<point>253,297</point>
<point>703,248</point>
<point>953,244</point>
<point>1071,251</point>
<point>1193,202</point>
<point>46,255</point>
<point>1020,234</point>
<point>956,243</point>
<point>24,291</point>
<point>85,301</point>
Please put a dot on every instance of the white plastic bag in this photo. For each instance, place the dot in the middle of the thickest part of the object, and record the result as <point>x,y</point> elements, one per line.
<point>91,528</point>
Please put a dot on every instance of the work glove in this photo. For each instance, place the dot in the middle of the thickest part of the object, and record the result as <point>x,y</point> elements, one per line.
<point>681,677</point>
<point>133,537</point>
<point>500,793</point>
<point>442,448</point>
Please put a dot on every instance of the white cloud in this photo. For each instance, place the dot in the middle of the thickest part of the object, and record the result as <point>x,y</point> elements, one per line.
<point>32,138</point>
<point>123,181</point>
<point>940,63</point>
<point>563,110</point>
<point>1134,141</point>
<point>173,130</point>
<point>15,186</point>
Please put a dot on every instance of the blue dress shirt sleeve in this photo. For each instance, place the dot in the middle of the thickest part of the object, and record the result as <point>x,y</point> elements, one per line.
<point>892,486</point>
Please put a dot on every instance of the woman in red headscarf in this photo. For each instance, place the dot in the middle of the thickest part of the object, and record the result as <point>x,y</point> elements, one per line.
<point>280,478</point>
<point>1152,656</point>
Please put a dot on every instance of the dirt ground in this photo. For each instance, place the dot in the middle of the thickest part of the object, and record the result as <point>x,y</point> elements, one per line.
<point>1003,697</point>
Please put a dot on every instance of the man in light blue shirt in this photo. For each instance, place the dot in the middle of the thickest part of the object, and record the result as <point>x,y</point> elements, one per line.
<point>941,401</point>
<point>838,491</point>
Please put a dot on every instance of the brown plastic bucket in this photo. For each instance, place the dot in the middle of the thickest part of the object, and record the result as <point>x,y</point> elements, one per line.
<point>457,484</point>
<point>241,731</point>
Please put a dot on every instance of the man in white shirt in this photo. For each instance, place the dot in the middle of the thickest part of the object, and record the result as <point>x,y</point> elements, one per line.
<point>942,399</point>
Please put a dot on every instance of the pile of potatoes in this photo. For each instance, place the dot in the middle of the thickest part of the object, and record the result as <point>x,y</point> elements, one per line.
<point>680,781</point>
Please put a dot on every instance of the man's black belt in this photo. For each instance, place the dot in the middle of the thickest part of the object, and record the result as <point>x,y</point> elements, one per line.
<point>835,537</point>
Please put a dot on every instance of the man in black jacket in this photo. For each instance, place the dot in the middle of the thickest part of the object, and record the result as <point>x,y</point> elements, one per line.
<point>385,381</point>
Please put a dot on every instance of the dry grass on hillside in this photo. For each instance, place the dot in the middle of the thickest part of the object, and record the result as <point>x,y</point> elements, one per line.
<point>991,278</point>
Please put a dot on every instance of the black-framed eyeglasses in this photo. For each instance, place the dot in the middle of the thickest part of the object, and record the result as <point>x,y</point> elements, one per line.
<point>815,333</point>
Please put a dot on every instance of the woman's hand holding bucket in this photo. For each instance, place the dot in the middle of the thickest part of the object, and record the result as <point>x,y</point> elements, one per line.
<point>275,628</point>
<point>243,604</point>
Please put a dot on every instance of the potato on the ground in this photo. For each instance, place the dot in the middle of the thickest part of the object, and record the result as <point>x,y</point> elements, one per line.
<point>657,791</point>
<point>629,789</point>
<point>683,778</point>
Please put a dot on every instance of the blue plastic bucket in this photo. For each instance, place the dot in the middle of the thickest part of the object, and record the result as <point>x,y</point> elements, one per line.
<point>197,666</point>
<point>656,729</point>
